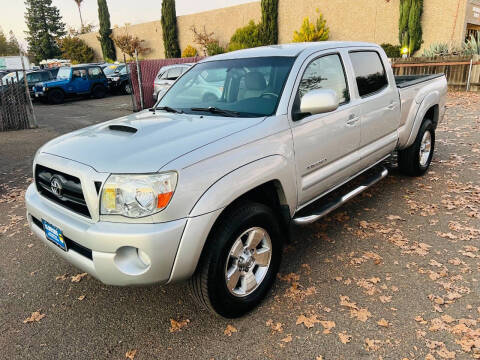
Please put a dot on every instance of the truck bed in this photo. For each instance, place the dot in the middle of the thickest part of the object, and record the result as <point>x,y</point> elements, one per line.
<point>411,80</point>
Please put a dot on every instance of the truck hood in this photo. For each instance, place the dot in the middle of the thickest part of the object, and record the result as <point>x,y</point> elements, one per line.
<point>52,83</point>
<point>143,142</point>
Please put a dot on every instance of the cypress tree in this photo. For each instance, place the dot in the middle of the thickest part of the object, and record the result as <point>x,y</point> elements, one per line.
<point>415,26</point>
<point>410,24</point>
<point>169,27</point>
<point>269,24</point>
<point>108,48</point>
<point>45,26</point>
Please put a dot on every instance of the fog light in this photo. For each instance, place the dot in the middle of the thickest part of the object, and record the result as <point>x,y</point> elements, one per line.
<point>132,261</point>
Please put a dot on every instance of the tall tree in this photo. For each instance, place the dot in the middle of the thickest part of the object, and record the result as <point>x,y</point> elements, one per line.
<point>10,46</point>
<point>169,27</point>
<point>45,27</point>
<point>269,24</point>
<point>79,4</point>
<point>410,24</point>
<point>108,48</point>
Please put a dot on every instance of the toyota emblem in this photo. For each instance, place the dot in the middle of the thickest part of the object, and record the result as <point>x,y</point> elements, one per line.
<point>56,186</point>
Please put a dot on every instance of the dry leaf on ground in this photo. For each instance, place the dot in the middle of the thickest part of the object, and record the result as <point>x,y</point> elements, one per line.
<point>35,317</point>
<point>177,325</point>
<point>230,329</point>
<point>344,337</point>
<point>77,278</point>
<point>309,322</point>
<point>131,354</point>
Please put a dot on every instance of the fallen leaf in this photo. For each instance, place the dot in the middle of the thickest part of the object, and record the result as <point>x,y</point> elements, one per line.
<point>61,277</point>
<point>230,329</point>
<point>81,297</point>
<point>328,325</point>
<point>130,354</point>
<point>309,322</point>
<point>77,278</point>
<point>177,325</point>
<point>344,337</point>
<point>383,322</point>
<point>287,339</point>
<point>361,314</point>
<point>35,317</point>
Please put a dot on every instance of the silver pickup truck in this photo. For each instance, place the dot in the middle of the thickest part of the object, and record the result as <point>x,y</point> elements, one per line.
<point>206,188</point>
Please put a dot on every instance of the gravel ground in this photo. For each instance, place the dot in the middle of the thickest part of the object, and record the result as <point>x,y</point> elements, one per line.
<point>392,275</point>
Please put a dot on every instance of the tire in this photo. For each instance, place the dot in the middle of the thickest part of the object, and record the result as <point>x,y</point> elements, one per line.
<point>56,96</point>
<point>209,283</point>
<point>415,160</point>
<point>127,88</point>
<point>99,91</point>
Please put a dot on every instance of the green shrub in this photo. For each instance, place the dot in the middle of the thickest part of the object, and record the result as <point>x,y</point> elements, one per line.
<point>75,50</point>
<point>312,32</point>
<point>437,49</point>
<point>189,51</point>
<point>393,51</point>
<point>245,37</point>
<point>472,45</point>
<point>214,48</point>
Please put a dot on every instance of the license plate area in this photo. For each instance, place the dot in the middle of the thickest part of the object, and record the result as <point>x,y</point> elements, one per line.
<point>54,234</point>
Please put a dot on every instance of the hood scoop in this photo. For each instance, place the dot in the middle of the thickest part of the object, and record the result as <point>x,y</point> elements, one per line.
<point>123,128</point>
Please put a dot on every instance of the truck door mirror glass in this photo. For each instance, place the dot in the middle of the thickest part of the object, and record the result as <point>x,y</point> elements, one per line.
<point>317,102</point>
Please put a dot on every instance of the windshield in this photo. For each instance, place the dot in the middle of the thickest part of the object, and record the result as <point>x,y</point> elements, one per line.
<point>12,77</point>
<point>112,69</point>
<point>250,87</point>
<point>64,73</point>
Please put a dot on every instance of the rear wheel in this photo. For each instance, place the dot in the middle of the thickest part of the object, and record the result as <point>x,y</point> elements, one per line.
<point>99,91</point>
<point>240,260</point>
<point>56,96</point>
<point>416,159</point>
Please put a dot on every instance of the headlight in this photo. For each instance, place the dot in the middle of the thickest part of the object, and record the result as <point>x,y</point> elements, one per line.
<point>44,88</point>
<point>137,195</point>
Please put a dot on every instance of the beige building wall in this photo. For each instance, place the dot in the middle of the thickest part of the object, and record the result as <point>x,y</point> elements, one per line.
<point>355,20</point>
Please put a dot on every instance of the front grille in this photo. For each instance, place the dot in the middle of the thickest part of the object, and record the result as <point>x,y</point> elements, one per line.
<point>71,245</point>
<point>71,194</point>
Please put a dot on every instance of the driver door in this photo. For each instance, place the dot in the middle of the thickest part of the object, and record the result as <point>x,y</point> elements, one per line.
<point>325,144</point>
<point>80,81</point>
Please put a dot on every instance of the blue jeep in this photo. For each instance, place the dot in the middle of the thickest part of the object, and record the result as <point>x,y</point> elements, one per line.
<point>77,80</point>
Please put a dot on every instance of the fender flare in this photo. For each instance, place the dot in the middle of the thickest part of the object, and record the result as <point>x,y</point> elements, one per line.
<point>247,177</point>
<point>428,102</point>
<point>217,197</point>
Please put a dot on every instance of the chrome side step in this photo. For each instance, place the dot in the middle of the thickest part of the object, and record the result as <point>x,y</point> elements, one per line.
<point>336,203</point>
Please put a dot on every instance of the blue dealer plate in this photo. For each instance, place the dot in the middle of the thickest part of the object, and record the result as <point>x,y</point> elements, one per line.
<point>54,234</point>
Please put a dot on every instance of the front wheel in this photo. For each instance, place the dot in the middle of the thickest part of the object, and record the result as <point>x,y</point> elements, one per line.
<point>240,260</point>
<point>99,92</point>
<point>127,88</point>
<point>416,159</point>
<point>56,96</point>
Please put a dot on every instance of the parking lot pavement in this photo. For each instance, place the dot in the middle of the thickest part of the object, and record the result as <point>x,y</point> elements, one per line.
<point>393,274</point>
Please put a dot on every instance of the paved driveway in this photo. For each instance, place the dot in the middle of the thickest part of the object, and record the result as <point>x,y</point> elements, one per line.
<point>393,274</point>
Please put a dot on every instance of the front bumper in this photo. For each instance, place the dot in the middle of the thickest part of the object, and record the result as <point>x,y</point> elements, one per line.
<point>116,253</point>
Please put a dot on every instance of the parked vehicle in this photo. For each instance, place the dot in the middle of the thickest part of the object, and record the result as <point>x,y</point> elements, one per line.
<point>33,77</point>
<point>206,189</point>
<point>166,77</point>
<point>118,79</point>
<point>83,80</point>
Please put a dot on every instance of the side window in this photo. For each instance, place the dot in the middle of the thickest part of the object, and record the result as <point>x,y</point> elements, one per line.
<point>174,73</point>
<point>324,73</point>
<point>46,76</point>
<point>95,73</point>
<point>34,77</point>
<point>369,72</point>
<point>79,73</point>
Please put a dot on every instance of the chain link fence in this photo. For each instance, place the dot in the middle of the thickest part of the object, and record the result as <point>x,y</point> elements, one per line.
<point>14,105</point>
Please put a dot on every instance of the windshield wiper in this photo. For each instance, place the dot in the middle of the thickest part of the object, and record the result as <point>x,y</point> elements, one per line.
<point>167,109</point>
<point>215,110</point>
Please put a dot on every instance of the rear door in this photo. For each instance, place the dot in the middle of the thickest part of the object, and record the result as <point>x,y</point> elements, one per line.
<point>325,144</point>
<point>378,97</point>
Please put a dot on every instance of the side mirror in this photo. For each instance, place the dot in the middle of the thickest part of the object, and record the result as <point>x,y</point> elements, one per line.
<point>319,101</point>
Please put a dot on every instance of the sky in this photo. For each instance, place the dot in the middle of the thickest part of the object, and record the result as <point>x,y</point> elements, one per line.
<point>121,12</point>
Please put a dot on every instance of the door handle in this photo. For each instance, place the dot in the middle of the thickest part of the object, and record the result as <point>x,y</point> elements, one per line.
<point>352,120</point>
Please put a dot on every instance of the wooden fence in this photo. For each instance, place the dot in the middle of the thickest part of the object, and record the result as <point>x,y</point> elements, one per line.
<point>461,72</point>
<point>14,114</point>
